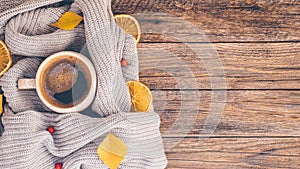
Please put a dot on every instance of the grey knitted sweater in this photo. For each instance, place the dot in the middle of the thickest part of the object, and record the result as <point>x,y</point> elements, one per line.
<point>25,28</point>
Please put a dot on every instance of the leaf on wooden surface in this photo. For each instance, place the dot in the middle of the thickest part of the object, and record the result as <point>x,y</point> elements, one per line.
<point>112,151</point>
<point>68,21</point>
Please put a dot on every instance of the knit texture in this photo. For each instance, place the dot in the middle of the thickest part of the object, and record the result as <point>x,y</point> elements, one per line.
<point>25,28</point>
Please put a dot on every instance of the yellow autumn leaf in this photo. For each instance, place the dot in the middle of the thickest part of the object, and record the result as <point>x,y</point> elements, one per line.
<point>112,151</point>
<point>68,21</point>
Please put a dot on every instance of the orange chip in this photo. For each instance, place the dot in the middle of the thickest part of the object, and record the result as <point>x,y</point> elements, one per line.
<point>5,58</point>
<point>141,97</point>
<point>130,25</point>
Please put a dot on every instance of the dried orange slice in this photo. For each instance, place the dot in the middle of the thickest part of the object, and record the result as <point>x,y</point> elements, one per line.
<point>130,25</point>
<point>5,58</point>
<point>141,97</point>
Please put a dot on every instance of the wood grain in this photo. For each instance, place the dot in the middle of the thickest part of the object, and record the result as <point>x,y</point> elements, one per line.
<point>222,153</point>
<point>246,113</point>
<point>220,66</point>
<point>220,21</point>
<point>200,56</point>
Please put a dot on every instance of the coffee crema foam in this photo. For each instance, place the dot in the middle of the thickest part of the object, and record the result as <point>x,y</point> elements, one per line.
<point>65,81</point>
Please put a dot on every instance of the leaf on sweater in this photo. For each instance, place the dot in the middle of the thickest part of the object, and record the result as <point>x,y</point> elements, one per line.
<point>68,21</point>
<point>112,151</point>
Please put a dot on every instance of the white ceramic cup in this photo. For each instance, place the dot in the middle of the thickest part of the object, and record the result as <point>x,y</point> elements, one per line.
<point>38,82</point>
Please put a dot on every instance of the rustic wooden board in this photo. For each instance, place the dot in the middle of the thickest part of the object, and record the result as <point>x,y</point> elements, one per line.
<point>224,153</point>
<point>221,21</point>
<point>220,66</point>
<point>246,113</point>
<point>248,47</point>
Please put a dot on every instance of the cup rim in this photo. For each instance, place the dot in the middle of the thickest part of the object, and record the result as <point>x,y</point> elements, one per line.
<point>86,102</point>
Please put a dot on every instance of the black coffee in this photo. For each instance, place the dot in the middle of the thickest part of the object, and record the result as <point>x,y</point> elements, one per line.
<point>65,82</point>
<point>78,90</point>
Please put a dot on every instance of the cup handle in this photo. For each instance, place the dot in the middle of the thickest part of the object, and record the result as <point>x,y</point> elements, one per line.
<point>27,84</point>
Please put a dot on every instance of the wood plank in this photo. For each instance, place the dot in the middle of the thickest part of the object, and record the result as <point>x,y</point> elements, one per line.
<point>220,66</point>
<point>245,113</point>
<point>220,21</point>
<point>223,153</point>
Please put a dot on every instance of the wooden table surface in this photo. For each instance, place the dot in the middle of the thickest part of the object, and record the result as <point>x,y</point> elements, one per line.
<point>255,46</point>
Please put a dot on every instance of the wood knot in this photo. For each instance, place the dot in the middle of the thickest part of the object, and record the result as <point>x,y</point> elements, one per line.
<point>184,4</point>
